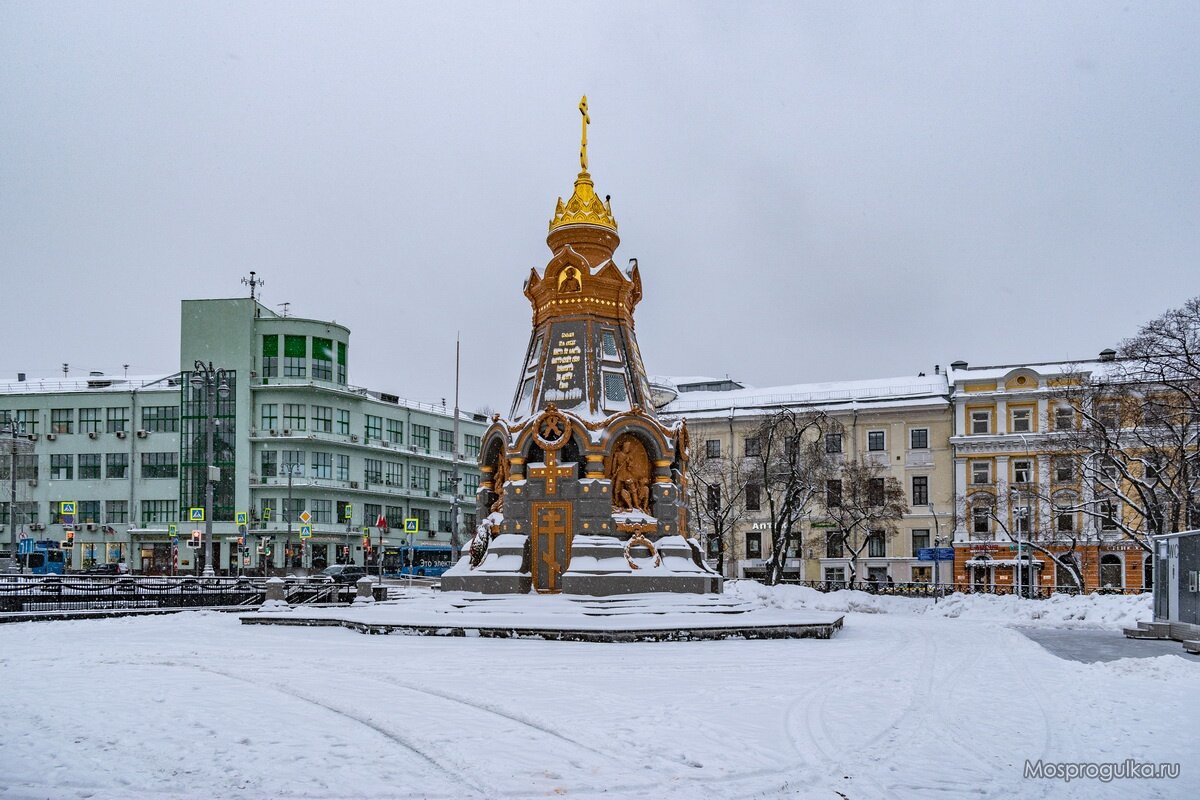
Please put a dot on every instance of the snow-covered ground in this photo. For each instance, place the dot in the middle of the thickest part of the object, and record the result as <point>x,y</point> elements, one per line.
<point>905,702</point>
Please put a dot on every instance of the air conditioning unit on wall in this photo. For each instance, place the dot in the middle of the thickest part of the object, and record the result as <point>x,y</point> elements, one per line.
<point>50,437</point>
<point>121,434</point>
<point>143,434</point>
<point>93,435</point>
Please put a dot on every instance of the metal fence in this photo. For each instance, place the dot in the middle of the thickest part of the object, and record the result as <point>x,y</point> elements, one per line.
<point>944,589</point>
<point>67,593</point>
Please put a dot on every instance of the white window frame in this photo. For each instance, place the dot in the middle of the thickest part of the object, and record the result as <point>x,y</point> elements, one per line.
<point>976,467</point>
<point>981,415</point>
<point>1025,416</point>
<point>1017,469</point>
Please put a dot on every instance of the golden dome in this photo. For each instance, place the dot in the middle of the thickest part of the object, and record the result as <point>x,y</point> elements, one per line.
<point>584,208</point>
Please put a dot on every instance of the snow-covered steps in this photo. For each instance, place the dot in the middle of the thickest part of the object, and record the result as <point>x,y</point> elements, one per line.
<point>628,618</point>
<point>1192,646</point>
<point>1149,630</point>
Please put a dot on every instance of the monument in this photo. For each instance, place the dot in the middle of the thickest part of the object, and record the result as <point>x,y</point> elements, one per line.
<point>583,486</point>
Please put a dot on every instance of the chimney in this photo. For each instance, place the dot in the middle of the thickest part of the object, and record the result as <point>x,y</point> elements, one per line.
<point>937,370</point>
<point>20,377</point>
<point>958,364</point>
<point>1108,354</point>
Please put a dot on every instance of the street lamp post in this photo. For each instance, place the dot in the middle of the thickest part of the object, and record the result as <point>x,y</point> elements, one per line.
<point>209,379</point>
<point>937,544</point>
<point>292,469</point>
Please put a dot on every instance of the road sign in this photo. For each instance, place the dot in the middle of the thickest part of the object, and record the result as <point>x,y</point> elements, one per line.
<point>348,512</point>
<point>196,514</point>
<point>411,525</point>
<point>241,517</point>
<point>173,530</point>
<point>267,514</point>
<point>305,517</point>
<point>194,542</point>
<point>381,522</point>
<point>67,508</point>
<point>305,531</point>
<point>935,554</point>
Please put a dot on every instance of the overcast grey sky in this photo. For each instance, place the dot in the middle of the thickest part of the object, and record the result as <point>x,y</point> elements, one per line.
<point>813,191</point>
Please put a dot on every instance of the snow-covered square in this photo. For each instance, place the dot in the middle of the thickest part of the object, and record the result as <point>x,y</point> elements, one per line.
<point>909,700</point>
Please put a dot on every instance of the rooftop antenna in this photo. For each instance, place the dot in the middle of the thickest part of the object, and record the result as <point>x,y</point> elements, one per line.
<point>66,369</point>
<point>126,370</point>
<point>253,283</point>
<point>285,307</point>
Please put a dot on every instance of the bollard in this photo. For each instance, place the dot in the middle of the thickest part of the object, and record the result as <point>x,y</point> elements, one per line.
<point>366,590</point>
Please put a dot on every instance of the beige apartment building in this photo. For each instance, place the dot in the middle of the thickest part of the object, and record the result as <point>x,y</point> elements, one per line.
<point>903,425</point>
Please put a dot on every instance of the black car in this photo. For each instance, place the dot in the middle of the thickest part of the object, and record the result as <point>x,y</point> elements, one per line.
<point>343,573</point>
<point>103,569</point>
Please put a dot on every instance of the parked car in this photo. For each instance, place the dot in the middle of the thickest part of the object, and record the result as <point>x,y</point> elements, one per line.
<point>343,573</point>
<point>103,569</point>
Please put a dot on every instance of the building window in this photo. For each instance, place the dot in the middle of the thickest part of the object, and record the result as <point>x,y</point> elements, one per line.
<point>1022,471</point>
<point>291,509</point>
<point>754,545</point>
<point>981,472</point>
<point>875,491</point>
<point>443,521</point>
<point>445,481</point>
<point>161,419</point>
<point>322,364</point>
<point>1107,414</point>
<point>322,465</point>
<point>714,499</point>
<point>160,465</point>
<point>291,462</point>
<point>981,422</point>
<point>609,343</point>
<point>322,419</point>
<point>394,516</point>
<point>268,507</point>
<point>753,446</point>
<point>712,448</point>
<point>371,512</point>
<point>833,493</point>
<point>373,470</point>
<point>62,466</point>
<point>446,441</point>
<point>1108,515</point>
<point>270,416</point>
<point>322,510</point>
<point>918,438</point>
<point>614,387</point>
<point>295,416</point>
<point>89,420</point>
<point>116,512</point>
<point>343,467</point>
<point>1111,572</point>
<point>420,436</point>
<point>269,461</point>
<point>834,542</point>
<point>1064,418</point>
<point>394,474</point>
<point>89,466</point>
<point>1022,420</point>
<point>62,420</point>
<point>419,478</point>
<point>116,465</point>
<point>876,547</point>
<point>981,519</point>
<point>920,540</point>
<point>922,574</point>
<point>752,497</point>
<point>341,363</point>
<point>159,511</point>
<point>117,420</point>
<point>1065,522</point>
<point>471,445</point>
<point>835,574</point>
<point>1021,516</point>
<point>395,431</point>
<point>374,427</point>
<point>422,515</point>
<point>26,420</point>
<point>270,356</point>
<point>470,484</point>
<point>833,443</point>
<point>295,356</point>
<point>87,511</point>
<point>920,490</point>
<point>876,441</point>
<point>1064,469</point>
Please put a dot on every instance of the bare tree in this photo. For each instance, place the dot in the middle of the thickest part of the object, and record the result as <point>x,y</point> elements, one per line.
<point>716,491</point>
<point>788,468</point>
<point>864,502</point>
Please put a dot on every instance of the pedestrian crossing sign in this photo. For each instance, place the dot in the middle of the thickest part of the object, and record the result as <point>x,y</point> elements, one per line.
<point>348,513</point>
<point>241,517</point>
<point>173,530</point>
<point>410,525</point>
<point>267,514</point>
<point>306,531</point>
<point>196,514</point>
<point>67,508</point>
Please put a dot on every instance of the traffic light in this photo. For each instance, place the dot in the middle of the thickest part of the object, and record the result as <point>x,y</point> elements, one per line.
<point>241,540</point>
<point>70,537</point>
<point>195,540</point>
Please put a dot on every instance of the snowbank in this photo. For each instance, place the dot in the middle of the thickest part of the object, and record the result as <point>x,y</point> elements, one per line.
<point>1060,611</point>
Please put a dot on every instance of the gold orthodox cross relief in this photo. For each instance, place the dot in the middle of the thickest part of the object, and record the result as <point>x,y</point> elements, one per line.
<point>551,544</point>
<point>583,142</point>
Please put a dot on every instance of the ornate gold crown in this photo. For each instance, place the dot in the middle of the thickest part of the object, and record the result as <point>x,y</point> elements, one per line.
<point>584,208</point>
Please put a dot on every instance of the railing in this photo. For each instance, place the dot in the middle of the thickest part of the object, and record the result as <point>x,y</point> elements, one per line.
<point>25,593</point>
<point>944,589</point>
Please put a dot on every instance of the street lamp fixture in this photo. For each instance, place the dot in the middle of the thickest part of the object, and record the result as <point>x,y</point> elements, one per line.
<point>213,382</point>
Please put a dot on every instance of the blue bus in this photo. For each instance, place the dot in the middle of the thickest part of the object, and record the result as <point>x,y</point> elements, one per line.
<point>41,557</point>
<point>422,560</point>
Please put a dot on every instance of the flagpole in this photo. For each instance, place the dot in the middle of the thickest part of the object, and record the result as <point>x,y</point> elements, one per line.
<point>454,540</point>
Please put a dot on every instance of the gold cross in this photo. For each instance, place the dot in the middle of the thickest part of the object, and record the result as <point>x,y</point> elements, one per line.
<point>586,121</point>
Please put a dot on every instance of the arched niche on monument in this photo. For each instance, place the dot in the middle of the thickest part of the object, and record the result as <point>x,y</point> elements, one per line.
<point>495,457</point>
<point>629,465</point>
<point>571,453</point>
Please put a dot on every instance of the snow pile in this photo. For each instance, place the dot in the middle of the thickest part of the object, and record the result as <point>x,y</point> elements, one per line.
<point>1059,611</point>
<point>1173,669</point>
